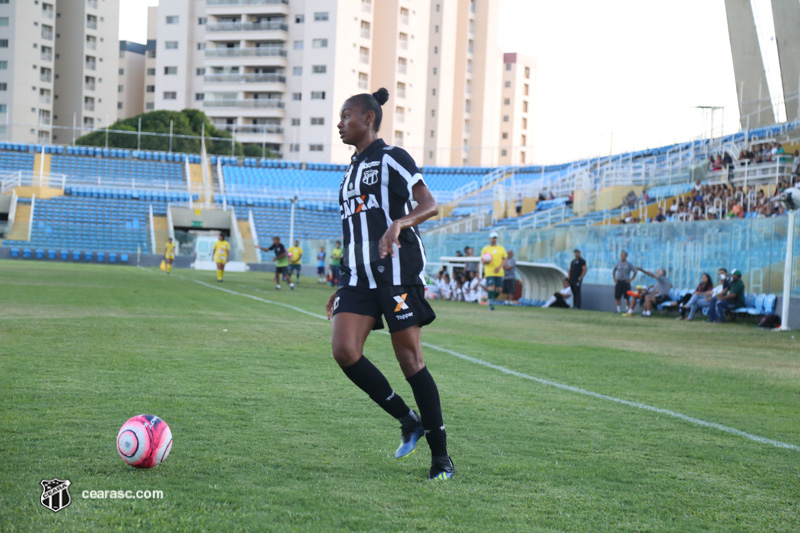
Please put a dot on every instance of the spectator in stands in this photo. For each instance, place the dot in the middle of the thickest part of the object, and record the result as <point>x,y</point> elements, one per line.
<point>630,200</point>
<point>732,299</point>
<point>661,293</point>
<point>542,197</point>
<point>560,298</point>
<point>796,165</point>
<point>673,209</point>
<point>458,270</point>
<point>519,204</point>
<point>445,289</point>
<point>336,263</point>
<point>577,270</point>
<point>699,298</point>
<point>471,287</point>
<point>623,274</point>
<point>510,277</point>
<point>660,216</point>
<point>721,289</point>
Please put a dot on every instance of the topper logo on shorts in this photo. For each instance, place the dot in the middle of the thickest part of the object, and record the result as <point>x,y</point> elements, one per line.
<point>401,302</point>
<point>357,205</point>
<point>55,494</point>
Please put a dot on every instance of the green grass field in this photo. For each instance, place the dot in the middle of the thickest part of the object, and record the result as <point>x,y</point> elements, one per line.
<point>270,435</point>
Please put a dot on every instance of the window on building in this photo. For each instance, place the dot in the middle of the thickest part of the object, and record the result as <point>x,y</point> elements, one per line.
<point>319,69</point>
<point>3,22</point>
<point>151,72</point>
<point>119,105</point>
<point>435,71</point>
<point>508,66</point>
<point>294,147</point>
<point>317,121</point>
<point>120,88</point>
<point>3,43</point>
<point>297,71</point>
<point>315,148</point>
<point>433,134</point>
<point>524,139</point>
<point>170,95</point>
<point>318,95</point>
<point>3,86</point>
<point>527,72</point>
<point>199,97</point>
<point>525,88</point>
<point>319,43</point>
<point>321,16</point>
<point>297,96</point>
<point>170,70</point>
<point>505,118</point>
<point>435,49</point>
<point>398,137</point>
<point>524,106</point>
<point>404,15</point>
<point>202,21</point>
<point>363,55</point>
<point>201,46</point>
<point>299,19</point>
<point>506,101</point>
<point>150,105</point>
<point>150,88</point>
<point>171,45</point>
<point>402,65</point>
<point>436,29</point>
<point>365,29</point>
<point>121,71</point>
<point>3,65</point>
<point>295,122</point>
<point>172,19</point>
<point>505,135</point>
<point>524,123</point>
<point>433,91</point>
<point>401,89</point>
<point>200,71</point>
<point>507,85</point>
<point>298,45</point>
<point>433,112</point>
<point>363,80</point>
<point>504,152</point>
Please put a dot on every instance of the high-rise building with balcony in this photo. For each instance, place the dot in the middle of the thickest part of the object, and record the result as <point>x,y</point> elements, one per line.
<point>86,66</point>
<point>27,41</point>
<point>516,110</point>
<point>130,92</point>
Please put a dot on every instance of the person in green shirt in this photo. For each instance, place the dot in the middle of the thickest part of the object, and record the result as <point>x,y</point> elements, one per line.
<point>336,263</point>
<point>729,301</point>
<point>281,262</point>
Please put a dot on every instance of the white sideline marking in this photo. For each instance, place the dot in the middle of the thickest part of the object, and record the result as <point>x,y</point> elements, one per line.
<point>562,386</point>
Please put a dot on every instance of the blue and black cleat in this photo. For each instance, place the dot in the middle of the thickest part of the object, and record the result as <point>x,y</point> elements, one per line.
<point>409,435</point>
<point>441,468</point>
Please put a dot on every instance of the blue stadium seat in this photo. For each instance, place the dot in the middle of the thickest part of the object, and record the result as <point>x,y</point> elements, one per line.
<point>64,255</point>
<point>112,258</point>
<point>101,257</point>
<point>39,254</point>
<point>123,258</point>
<point>15,253</point>
<point>26,253</point>
<point>87,256</point>
<point>51,254</point>
<point>76,256</point>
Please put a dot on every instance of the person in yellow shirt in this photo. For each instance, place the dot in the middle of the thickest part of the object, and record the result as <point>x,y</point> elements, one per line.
<point>295,255</point>
<point>169,254</point>
<point>222,252</point>
<point>493,268</point>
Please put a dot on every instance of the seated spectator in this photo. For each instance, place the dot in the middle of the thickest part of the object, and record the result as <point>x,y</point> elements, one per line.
<point>542,197</point>
<point>445,289</point>
<point>471,287</point>
<point>673,209</point>
<point>796,165</point>
<point>660,216</point>
<point>560,298</point>
<point>661,292</point>
<point>699,298</point>
<point>732,299</point>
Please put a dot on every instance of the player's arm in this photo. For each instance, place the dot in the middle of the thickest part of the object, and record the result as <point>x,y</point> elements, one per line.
<point>426,208</point>
<point>583,273</point>
<point>643,271</point>
<point>329,305</point>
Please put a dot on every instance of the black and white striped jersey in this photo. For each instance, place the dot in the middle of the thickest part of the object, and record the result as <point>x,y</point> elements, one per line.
<point>375,191</point>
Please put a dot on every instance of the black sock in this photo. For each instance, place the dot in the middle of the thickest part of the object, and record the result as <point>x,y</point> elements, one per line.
<point>430,410</point>
<point>369,379</point>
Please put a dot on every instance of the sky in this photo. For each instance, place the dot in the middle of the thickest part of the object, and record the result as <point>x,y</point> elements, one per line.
<point>611,76</point>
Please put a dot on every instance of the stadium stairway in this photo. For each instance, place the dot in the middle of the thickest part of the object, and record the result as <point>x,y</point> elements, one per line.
<point>161,232</point>
<point>41,167</point>
<point>249,252</point>
<point>22,223</point>
<point>196,181</point>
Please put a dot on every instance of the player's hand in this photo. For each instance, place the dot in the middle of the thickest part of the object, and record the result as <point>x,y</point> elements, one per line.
<point>496,270</point>
<point>389,240</point>
<point>329,305</point>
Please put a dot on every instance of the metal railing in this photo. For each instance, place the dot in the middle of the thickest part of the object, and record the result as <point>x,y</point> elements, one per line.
<point>758,173</point>
<point>544,219</point>
<point>88,106</point>
<point>247,26</point>
<point>46,78</point>
<point>474,222</point>
<point>245,52</point>
<point>262,129</point>
<point>91,45</point>
<point>91,24</point>
<point>245,78</point>
<point>91,66</point>
<point>246,103</point>
<point>46,56</point>
<point>48,35</point>
<point>89,86</point>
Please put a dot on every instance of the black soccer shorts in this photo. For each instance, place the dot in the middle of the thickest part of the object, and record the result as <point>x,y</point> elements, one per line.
<point>402,306</point>
<point>621,289</point>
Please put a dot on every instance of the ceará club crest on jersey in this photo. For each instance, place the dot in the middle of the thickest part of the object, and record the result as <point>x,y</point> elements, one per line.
<point>55,494</point>
<point>370,177</point>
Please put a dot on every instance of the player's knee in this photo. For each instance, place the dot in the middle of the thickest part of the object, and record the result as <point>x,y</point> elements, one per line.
<point>345,353</point>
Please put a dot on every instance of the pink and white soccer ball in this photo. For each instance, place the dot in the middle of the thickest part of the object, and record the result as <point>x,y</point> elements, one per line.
<point>487,258</point>
<point>144,441</point>
<point>290,255</point>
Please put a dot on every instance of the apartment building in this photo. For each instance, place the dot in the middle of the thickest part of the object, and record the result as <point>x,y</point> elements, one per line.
<point>27,39</point>
<point>463,88</point>
<point>516,109</point>
<point>130,92</point>
<point>180,54</point>
<point>86,66</point>
<point>150,59</point>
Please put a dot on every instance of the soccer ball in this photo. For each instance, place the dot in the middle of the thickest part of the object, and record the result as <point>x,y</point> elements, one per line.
<point>487,258</point>
<point>290,255</point>
<point>144,441</point>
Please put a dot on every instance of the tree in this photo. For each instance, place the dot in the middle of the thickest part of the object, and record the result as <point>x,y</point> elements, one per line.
<point>187,127</point>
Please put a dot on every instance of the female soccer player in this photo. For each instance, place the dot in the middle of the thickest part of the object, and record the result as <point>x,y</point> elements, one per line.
<point>222,252</point>
<point>382,275</point>
<point>169,254</point>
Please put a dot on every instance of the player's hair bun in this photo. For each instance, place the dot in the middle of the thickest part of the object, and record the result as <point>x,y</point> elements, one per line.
<point>381,95</point>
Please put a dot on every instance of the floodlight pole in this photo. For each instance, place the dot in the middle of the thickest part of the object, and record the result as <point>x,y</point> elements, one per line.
<point>787,274</point>
<point>291,221</point>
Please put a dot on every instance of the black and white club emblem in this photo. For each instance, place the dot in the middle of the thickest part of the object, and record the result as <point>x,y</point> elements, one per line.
<point>55,494</point>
